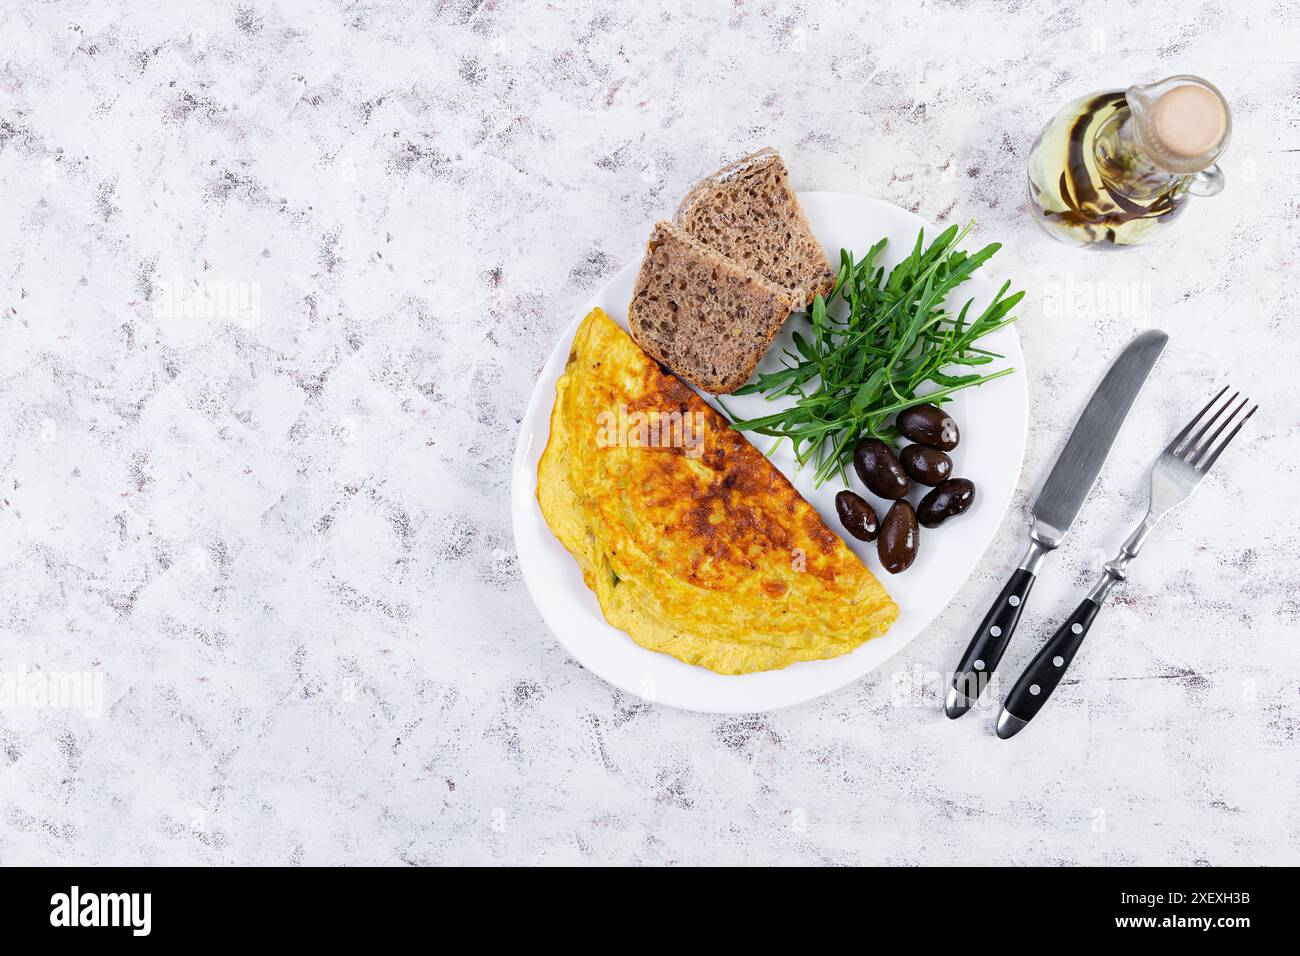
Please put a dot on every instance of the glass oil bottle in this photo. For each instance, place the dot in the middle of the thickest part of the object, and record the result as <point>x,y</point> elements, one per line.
<point>1116,168</point>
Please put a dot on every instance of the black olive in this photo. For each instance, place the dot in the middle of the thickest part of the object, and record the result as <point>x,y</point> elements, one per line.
<point>929,425</point>
<point>929,466</point>
<point>898,537</point>
<point>950,499</point>
<point>880,470</point>
<point>856,515</point>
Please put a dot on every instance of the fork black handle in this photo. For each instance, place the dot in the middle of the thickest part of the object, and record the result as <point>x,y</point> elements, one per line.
<point>1045,671</point>
<point>1047,668</point>
<point>988,645</point>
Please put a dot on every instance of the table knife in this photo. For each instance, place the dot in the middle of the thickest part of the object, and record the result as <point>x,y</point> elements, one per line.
<point>1059,501</point>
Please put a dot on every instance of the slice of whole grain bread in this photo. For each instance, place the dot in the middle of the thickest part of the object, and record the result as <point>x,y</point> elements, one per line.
<point>748,211</point>
<point>707,318</point>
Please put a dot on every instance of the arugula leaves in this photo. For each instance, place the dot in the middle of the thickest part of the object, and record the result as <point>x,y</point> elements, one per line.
<point>853,374</point>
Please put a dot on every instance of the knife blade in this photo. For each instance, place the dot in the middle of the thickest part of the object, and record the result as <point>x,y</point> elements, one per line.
<point>1085,452</point>
<point>1054,510</point>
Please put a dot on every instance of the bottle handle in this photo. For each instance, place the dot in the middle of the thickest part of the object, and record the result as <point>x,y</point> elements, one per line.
<point>1208,182</point>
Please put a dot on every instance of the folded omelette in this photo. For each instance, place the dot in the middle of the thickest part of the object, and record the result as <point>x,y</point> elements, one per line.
<point>694,543</point>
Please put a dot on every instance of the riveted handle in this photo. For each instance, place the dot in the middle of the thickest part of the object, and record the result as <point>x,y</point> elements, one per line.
<point>1045,671</point>
<point>989,643</point>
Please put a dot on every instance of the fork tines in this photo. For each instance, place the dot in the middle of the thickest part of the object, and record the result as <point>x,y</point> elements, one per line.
<point>1201,454</point>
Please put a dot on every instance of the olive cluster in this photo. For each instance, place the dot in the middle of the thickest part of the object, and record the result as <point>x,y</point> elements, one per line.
<point>887,475</point>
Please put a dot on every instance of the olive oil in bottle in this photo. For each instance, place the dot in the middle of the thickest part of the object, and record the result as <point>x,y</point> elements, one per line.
<point>1117,168</point>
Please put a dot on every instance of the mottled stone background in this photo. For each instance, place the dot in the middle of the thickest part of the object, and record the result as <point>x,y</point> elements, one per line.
<point>276,526</point>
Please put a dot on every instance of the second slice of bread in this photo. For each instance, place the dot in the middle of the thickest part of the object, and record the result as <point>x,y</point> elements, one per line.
<point>706,317</point>
<point>748,211</point>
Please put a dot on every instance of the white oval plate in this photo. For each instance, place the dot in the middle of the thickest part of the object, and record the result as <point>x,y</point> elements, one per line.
<point>992,417</point>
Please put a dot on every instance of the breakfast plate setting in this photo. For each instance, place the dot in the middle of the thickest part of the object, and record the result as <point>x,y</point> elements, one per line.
<point>690,533</point>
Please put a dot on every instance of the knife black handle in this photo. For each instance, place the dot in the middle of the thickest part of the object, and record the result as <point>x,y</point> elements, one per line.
<point>987,646</point>
<point>1045,671</point>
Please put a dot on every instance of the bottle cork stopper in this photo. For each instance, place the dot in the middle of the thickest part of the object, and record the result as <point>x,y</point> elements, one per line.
<point>1188,121</point>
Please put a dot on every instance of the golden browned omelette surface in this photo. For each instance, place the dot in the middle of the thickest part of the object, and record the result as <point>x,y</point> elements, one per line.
<point>694,543</point>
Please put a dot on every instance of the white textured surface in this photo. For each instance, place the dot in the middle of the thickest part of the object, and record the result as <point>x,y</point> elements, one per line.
<point>282,537</point>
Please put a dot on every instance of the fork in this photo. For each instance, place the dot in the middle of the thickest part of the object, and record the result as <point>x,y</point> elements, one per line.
<point>1175,476</point>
